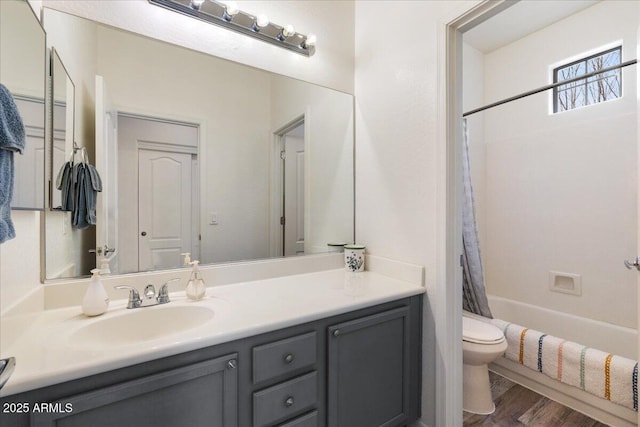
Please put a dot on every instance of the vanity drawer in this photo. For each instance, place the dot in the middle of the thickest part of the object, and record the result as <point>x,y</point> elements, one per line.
<point>308,420</point>
<point>284,400</point>
<point>280,357</point>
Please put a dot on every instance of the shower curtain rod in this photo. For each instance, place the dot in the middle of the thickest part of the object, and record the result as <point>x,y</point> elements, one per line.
<point>550,86</point>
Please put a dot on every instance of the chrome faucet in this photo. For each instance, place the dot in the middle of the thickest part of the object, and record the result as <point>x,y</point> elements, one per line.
<point>149,296</point>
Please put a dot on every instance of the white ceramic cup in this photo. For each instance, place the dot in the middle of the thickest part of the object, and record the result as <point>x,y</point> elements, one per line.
<point>354,257</point>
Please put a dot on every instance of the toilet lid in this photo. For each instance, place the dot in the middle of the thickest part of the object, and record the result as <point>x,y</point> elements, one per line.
<point>480,332</point>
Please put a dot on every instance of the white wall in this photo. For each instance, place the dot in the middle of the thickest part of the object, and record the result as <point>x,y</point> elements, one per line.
<point>399,90</point>
<point>332,22</point>
<point>329,162</point>
<point>560,190</point>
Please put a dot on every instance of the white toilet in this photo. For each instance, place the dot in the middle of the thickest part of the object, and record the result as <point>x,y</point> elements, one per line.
<point>482,343</point>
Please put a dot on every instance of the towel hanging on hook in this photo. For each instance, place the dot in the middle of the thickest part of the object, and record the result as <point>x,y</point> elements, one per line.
<point>78,182</point>
<point>86,184</point>
<point>64,181</point>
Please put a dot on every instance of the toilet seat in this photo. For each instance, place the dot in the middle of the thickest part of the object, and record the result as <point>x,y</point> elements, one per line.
<point>478,332</point>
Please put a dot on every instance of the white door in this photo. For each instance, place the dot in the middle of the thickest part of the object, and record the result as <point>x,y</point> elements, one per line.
<point>294,191</point>
<point>107,166</point>
<point>164,188</point>
<point>156,162</point>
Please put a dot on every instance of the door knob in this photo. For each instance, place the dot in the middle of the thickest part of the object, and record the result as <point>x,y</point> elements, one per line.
<point>634,263</point>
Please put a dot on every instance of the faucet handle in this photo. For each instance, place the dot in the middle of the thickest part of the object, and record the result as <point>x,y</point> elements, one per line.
<point>134,296</point>
<point>163,294</point>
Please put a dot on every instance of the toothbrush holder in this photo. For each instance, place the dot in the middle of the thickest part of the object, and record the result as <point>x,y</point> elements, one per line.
<point>354,258</point>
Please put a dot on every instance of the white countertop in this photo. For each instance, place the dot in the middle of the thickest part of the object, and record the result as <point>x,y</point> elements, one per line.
<point>45,353</point>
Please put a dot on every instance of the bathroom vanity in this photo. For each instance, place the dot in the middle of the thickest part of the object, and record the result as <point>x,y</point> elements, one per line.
<point>345,357</point>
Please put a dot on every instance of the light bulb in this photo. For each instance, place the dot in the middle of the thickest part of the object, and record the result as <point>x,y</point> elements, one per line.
<point>262,21</point>
<point>288,30</point>
<point>196,4</point>
<point>310,41</point>
<point>231,8</point>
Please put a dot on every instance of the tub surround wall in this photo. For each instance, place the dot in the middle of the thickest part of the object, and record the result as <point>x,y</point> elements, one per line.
<point>558,191</point>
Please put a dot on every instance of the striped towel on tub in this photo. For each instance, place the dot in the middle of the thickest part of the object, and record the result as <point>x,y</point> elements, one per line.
<point>608,376</point>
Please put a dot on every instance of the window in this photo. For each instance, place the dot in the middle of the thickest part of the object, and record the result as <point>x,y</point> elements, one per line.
<point>591,90</point>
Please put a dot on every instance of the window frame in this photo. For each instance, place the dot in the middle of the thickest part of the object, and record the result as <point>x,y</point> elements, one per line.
<point>584,81</point>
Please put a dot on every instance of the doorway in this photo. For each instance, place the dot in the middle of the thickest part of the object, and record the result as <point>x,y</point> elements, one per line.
<point>158,192</point>
<point>288,227</point>
<point>561,205</point>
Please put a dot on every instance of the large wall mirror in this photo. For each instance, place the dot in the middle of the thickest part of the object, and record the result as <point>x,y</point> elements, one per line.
<point>22,71</point>
<point>198,154</point>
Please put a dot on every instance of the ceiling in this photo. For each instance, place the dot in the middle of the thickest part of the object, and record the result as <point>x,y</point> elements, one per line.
<point>521,19</point>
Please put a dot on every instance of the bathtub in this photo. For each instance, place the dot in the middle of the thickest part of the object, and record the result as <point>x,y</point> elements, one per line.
<point>594,334</point>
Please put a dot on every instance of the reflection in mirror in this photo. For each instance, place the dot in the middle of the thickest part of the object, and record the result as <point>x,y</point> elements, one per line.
<point>202,155</point>
<point>22,71</point>
<point>60,238</point>
<point>63,147</point>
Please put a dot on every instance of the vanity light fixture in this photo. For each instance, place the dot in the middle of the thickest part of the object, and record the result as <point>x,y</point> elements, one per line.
<point>227,15</point>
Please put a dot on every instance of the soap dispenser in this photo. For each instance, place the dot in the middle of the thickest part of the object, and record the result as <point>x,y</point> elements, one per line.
<point>96,300</point>
<point>195,288</point>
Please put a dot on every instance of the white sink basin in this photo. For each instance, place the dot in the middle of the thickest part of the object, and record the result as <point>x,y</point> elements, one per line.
<point>140,325</point>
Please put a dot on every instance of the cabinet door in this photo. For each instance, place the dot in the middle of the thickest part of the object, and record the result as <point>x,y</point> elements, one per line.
<point>368,370</point>
<point>202,394</point>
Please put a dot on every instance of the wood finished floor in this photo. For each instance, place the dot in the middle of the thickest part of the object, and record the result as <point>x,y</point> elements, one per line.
<point>519,406</point>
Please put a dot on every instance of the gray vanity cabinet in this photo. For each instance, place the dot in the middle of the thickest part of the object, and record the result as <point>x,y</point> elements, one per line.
<point>202,394</point>
<point>356,369</point>
<point>368,370</point>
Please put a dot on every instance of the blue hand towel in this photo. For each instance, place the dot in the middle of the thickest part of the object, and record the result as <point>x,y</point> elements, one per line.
<point>12,139</point>
<point>64,183</point>
<point>86,183</point>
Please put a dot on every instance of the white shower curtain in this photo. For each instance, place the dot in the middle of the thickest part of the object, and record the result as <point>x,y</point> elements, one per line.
<point>474,294</point>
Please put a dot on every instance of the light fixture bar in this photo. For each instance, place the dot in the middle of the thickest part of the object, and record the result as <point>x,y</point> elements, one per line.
<point>259,27</point>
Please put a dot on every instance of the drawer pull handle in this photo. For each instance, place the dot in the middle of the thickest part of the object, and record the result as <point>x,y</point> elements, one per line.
<point>289,402</point>
<point>288,358</point>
